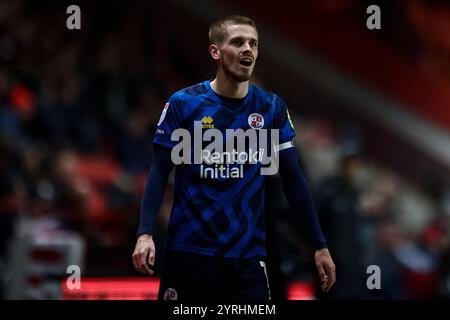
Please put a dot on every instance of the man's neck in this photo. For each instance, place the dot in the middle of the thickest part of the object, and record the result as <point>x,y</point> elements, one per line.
<point>229,88</point>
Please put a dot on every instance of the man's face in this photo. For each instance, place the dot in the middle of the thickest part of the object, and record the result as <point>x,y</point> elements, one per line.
<point>238,52</point>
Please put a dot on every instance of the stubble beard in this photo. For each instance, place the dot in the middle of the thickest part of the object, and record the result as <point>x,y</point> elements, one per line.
<point>242,77</point>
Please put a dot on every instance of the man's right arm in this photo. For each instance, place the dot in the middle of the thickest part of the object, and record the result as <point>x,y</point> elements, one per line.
<point>153,196</point>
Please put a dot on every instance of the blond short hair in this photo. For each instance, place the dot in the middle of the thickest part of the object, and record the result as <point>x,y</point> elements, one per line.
<point>217,29</point>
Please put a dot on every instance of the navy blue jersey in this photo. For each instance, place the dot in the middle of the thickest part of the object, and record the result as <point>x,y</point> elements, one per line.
<point>218,208</point>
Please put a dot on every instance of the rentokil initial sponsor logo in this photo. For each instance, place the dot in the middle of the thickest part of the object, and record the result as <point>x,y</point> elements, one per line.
<point>252,146</point>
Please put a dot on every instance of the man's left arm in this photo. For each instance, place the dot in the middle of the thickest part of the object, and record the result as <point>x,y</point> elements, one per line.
<point>299,197</point>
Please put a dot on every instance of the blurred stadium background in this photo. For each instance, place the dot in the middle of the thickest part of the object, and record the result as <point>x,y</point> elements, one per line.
<point>371,108</point>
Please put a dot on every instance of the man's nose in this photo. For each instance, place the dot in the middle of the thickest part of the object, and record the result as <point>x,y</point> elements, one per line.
<point>247,47</point>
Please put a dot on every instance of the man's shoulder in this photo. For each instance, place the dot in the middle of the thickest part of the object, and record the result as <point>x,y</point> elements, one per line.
<point>267,95</point>
<point>186,94</point>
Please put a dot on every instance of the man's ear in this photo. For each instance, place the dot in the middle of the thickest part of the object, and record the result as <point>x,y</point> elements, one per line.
<point>214,51</point>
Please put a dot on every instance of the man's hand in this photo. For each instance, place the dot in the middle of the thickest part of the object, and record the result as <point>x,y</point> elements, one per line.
<point>144,253</point>
<point>326,268</point>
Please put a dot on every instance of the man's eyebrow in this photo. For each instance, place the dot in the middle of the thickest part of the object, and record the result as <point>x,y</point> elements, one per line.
<point>243,38</point>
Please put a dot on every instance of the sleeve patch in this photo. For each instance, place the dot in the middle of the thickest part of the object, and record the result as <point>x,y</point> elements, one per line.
<point>163,114</point>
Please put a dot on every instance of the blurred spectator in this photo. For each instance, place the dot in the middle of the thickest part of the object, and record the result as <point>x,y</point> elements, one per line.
<point>339,209</point>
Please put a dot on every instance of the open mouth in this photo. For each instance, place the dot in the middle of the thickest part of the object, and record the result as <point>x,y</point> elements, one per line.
<point>246,62</point>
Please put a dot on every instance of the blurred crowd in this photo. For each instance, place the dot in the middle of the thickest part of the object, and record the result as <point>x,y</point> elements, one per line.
<point>77,114</point>
<point>374,216</point>
<point>422,31</point>
<point>419,29</point>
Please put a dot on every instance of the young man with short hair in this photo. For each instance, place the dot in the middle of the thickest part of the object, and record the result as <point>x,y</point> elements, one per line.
<point>216,234</point>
